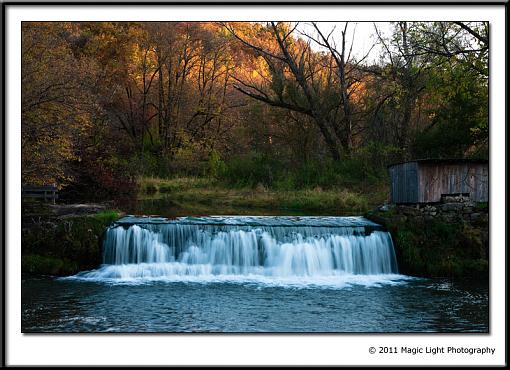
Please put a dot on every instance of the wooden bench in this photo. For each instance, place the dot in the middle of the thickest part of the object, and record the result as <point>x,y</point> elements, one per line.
<point>48,192</point>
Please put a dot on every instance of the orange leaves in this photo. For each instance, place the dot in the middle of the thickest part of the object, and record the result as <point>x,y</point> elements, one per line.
<point>358,91</point>
<point>57,105</point>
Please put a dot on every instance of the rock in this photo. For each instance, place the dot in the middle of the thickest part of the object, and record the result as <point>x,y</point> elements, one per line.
<point>77,209</point>
<point>452,207</point>
<point>377,219</point>
<point>467,210</point>
<point>450,217</point>
<point>386,207</point>
<point>410,211</point>
<point>455,199</point>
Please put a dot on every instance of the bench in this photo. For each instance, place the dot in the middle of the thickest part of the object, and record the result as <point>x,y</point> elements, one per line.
<point>48,192</point>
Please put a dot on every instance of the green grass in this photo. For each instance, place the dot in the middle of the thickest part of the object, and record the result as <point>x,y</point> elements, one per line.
<point>352,185</point>
<point>210,192</point>
<point>107,216</point>
<point>150,185</point>
<point>276,174</point>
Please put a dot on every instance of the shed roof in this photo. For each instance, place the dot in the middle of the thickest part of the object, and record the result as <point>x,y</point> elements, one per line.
<point>444,161</point>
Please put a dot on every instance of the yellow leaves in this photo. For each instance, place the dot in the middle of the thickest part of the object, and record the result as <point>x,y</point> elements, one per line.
<point>57,105</point>
<point>358,91</point>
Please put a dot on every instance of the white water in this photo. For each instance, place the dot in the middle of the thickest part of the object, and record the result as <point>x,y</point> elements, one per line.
<point>334,251</point>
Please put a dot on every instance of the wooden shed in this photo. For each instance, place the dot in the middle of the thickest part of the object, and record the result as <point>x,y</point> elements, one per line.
<point>428,180</point>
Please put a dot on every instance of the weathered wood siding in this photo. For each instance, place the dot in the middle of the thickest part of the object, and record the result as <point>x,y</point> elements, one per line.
<point>404,183</point>
<point>436,179</point>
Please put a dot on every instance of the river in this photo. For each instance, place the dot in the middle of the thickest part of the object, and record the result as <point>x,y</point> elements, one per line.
<point>243,274</point>
<point>415,306</point>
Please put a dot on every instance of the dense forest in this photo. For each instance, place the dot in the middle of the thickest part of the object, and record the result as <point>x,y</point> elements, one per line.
<point>248,104</point>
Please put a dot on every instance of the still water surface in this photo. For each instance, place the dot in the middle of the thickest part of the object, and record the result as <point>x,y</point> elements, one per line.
<point>406,305</point>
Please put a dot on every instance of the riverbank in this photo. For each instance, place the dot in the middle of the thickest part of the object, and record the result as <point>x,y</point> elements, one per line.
<point>444,240</point>
<point>63,239</point>
<point>200,192</point>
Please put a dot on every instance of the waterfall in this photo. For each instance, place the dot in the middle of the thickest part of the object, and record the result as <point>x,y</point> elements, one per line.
<point>241,246</point>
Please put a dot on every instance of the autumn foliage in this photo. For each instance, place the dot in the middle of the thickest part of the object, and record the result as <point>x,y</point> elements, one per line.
<point>106,102</point>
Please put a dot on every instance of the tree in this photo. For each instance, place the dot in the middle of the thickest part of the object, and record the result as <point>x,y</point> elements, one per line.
<point>297,83</point>
<point>459,114</point>
<point>414,53</point>
<point>58,108</point>
<point>463,42</point>
<point>104,102</point>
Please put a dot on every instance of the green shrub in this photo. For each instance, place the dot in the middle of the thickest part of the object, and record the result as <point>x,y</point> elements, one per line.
<point>251,171</point>
<point>278,175</point>
<point>215,164</point>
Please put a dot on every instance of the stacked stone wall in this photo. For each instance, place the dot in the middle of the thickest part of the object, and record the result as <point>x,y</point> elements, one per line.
<point>450,209</point>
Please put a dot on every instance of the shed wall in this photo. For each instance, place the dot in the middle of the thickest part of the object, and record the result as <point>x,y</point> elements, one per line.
<point>404,183</point>
<point>438,179</point>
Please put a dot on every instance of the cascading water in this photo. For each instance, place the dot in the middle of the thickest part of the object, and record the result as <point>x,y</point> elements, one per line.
<point>223,248</point>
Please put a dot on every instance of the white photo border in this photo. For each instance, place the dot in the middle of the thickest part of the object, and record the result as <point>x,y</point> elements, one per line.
<point>250,349</point>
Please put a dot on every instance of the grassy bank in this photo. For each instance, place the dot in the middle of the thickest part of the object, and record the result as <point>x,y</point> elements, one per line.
<point>63,245</point>
<point>210,192</point>
<point>437,247</point>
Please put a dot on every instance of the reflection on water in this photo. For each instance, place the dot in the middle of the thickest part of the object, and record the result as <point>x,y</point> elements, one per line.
<point>419,305</point>
<point>165,206</point>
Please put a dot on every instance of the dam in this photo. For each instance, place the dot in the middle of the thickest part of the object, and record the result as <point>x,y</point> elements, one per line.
<point>244,246</point>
